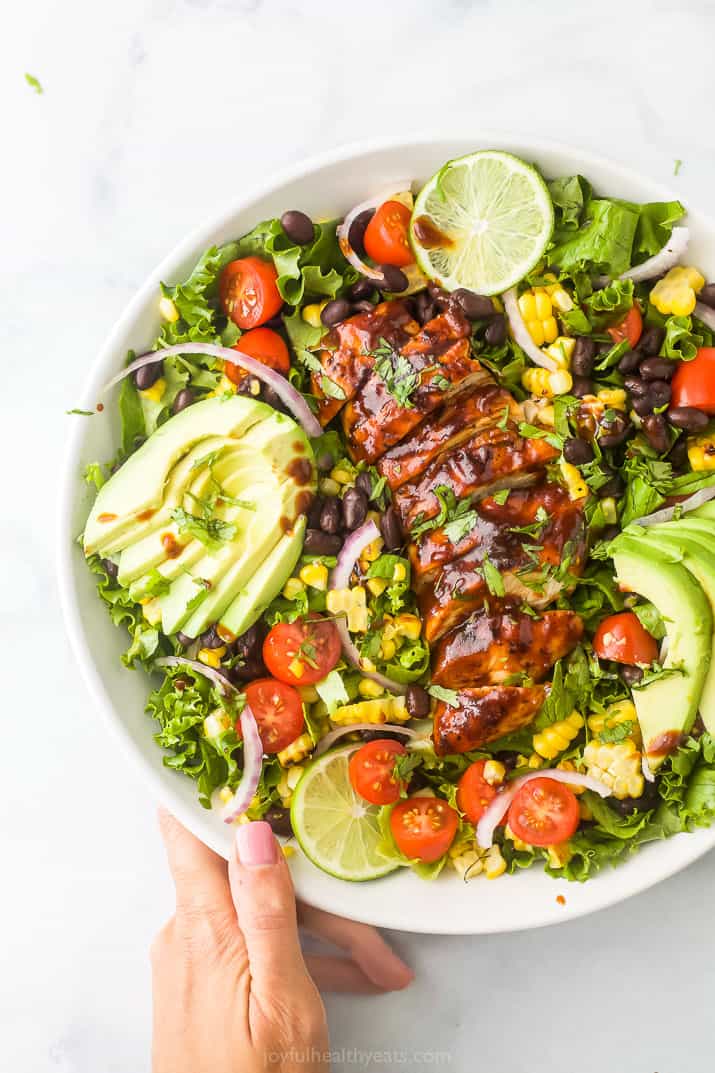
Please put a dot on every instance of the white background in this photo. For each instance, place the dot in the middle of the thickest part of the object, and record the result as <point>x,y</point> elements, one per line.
<point>155,114</point>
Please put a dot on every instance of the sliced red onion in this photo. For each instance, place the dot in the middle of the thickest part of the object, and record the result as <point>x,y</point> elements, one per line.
<point>521,333</point>
<point>664,259</point>
<point>666,514</point>
<point>500,805</point>
<point>252,766</point>
<point>389,728</point>
<point>340,579</point>
<point>706,314</point>
<point>220,680</point>
<point>283,389</point>
<point>343,229</point>
<point>645,768</point>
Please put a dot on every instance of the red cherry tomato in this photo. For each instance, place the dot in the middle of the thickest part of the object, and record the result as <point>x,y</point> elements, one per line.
<point>248,291</point>
<point>386,235</point>
<point>423,827</point>
<point>372,771</point>
<point>630,328</point>
<point>302,652</point>
<point>474,793</point>
<point>694,382</point>
<point>544,813</point>
<point>623,639</point>
<point>278,710</point>
<point>265,346</point>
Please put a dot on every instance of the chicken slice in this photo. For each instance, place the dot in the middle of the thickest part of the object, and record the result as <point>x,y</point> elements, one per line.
<point>483,715</point>
<point>425,373</point>
<point>485,405</point>
<point>492,646</point>
<point>346,358</point>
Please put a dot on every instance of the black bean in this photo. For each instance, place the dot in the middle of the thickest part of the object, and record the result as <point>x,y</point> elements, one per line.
<point>648,800</point>
<point>611,433</point>
<point>581,386</point>
<point>298,227</point>
<point>435,291</point>
<point>643,404</point>
<point>678,455</point>
<point>391,529</point>
<point>363,306</point>
<point>319,543</point>
<point>249,669</point>
<point>635,386</point>
<point>656,369</point>
<point>424,307</point>
<point>417,701</point>
<point>707,295</point>
<point>250,641</point>
<point>335,311</point>
<point>356,234</point>
<point>279,819</point>
<point>354,509</point>
<point>474,306</point>
<point>651,340</point>
<point>330,516</point>
<point>363,288</point>
<point>393,279</point>
<point>184,398</point>
<point>325,462</point>
<point>249,385</point>
<point>612,487</point>
<point>363,482</point>
<point>148,375</point>
<point>656,431</point>
<point>577,451</point>
<point>184,639</point>
<point>610,532</point>
<point>211,639</point>
<point>630,361</point>
<point>314,512</point>
<point>631,674</point>
<point>111,569</point>
<point>495,334</point>
<point>583,356</point>
<point>272,398</point>
<point>688,418</point>
<point>659,391</point>
<point>381,735</point>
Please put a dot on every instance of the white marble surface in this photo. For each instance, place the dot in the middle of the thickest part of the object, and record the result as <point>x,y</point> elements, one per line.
<point>155,113</point>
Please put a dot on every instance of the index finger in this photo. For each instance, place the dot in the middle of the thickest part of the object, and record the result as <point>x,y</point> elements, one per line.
<point>200,875</point>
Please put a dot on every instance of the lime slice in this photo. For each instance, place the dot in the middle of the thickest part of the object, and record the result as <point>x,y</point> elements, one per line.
<point>482,222</point>
<point>337,830</point>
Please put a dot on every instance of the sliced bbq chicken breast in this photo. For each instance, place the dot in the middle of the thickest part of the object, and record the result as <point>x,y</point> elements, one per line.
<point>493,646</point>
<point>482,715</point>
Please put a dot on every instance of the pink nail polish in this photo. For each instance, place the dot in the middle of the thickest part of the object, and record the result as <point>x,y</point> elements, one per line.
<point>255,844</point>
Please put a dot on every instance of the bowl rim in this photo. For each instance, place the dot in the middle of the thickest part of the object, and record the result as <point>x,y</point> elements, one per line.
<point>636,880</point>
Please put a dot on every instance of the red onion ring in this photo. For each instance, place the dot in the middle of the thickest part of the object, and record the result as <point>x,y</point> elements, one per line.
<point>664,259</point>
<point>497,810</point>
<point>666,514</point>
<point>389,728</point>
<point>340,579</point>
<point>521,333</point>
<point>283,389</point>
<point>252,766</point>
<point>706,314</point>
<point>343,229</point>
<point>213,675</point>
<point>645,768</point>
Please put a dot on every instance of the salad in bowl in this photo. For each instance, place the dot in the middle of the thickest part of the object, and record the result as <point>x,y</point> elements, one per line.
<point>410,522</point>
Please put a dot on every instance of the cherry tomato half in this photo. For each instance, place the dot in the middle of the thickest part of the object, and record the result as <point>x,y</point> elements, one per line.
<point>544,813</point>
<point>630,328</point>
<point>423,827</point>
<point>248,291</point>
<point>265,346</point>
<point>372,771</point>
<point>278,710</point>
<point>694,382</point>
<point>302,652</point>
<point>623,639</point>
<point>386,235</point>
<point>474,793</point>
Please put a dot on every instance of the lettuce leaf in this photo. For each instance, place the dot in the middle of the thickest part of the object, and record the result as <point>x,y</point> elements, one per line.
<point>605,240</point>
<point>681,342</point>
<point>196,299</point>
<point>317,270</point>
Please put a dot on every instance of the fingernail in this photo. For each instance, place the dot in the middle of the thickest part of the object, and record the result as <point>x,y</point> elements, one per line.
<point>255,844</point>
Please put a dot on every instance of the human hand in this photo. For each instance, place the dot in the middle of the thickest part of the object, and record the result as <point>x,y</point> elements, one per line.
<point>232,990</point>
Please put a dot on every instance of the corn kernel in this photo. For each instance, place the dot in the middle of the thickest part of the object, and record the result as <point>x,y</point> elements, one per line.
<point>536,331</point>
<point>155,393</point>
<point>315,575</point>
<point>545,383</point>
<point>618,765</point>
<point>550,329</point>
<point>575,484</point>
<point>527,306</point>
<point>211,657</point>
<point>292,588</point>
<point>494,772</point>
<point>376,585</point>
<point>369,689</point>
<point>409,626</point>
<point>341,475</point>
<point>560,298</point>
<point>553,739</point>
<point>542,305</point>
<point>568,765</point>
<point>701,452</point>
<point>399,572</point>
<point>494,863</point>
<point>311,314</point>
<point>546,416</point>
<point>351,602</point>
<point>616,714</point>
<point>216,723</point>
<point>381,710</point>
<point>467,864</point>
<point>293,754</point>
<point>387,649</point>
<point>613,398</point>
<point>225,795</point>
<point>287,850</point>
<point>296,667</point>
<point>561,350</point>
<point>168,310</point>
<point>371,552</point>
<point>559,855</point>
<point>535,760</point>
<point>676,292</point>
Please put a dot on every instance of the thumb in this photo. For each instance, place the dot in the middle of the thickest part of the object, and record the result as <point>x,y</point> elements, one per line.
<point>263,895</point>
<point>199,874</point>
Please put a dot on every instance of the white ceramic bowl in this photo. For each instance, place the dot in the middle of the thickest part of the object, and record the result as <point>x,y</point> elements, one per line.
<point>325,186</point>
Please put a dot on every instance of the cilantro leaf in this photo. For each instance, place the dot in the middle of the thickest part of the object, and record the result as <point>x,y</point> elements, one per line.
<point>449,696</point>
<point>399,377</point>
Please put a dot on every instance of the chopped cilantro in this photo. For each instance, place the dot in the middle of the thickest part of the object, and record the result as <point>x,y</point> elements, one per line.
<point>398,376</point>
<point>449,696</point>
<point>493,578</point>
<point>81,413</point>
<point>212,532</point>
<point>34,83</point>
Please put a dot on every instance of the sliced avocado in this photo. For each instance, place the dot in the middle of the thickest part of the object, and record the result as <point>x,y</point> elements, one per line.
<point>696,551</point>
<point>667,706</point>
<point>266,583</point>
<point>139,485</point>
